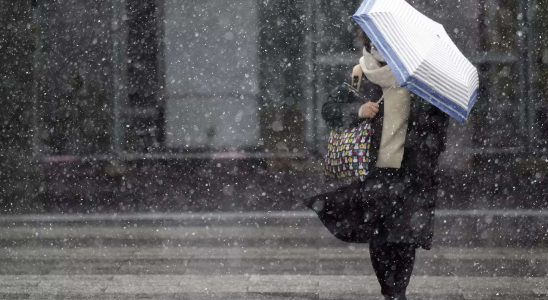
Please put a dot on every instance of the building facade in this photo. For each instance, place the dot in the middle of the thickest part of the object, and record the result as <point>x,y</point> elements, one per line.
<point>123,82</point>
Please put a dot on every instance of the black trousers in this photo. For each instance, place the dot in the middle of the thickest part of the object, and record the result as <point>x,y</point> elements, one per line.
<point>393,264</point>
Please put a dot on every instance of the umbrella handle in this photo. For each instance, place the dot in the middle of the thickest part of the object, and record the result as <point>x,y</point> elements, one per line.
<point>357,93</point>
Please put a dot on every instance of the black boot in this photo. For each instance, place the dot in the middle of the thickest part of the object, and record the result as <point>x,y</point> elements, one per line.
<point>396,297</point>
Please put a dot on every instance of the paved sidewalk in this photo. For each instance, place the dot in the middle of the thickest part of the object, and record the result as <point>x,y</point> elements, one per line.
<point>237,256</point>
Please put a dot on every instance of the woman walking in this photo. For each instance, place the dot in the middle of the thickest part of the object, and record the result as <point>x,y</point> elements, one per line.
<point>393,208</point>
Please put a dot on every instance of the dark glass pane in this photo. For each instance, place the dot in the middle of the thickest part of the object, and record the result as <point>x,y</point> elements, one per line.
<point>336,33</point>
<point>142,52</point>
<point>282,74</point>
<point>143,116</point>
<point>211,74</point>
<point>540,107</point>
<point>502,26</point>
<point>499,118</point>
<point>73,67</point>
<point>497,115</point>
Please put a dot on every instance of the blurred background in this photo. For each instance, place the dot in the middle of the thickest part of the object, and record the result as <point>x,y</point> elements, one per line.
<point>171,105</point>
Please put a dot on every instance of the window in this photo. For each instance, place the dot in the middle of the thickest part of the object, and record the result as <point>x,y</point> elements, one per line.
<point>211,74</point>
<point>141,77</point>
<point>499,119</point>
<point>539,95</point>
<point>73,71</point>
<point>141,107</point>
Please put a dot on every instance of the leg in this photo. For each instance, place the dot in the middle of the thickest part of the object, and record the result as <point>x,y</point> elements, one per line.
<point>393,265</point>
<point>382,261</point>
<point>405,261</point>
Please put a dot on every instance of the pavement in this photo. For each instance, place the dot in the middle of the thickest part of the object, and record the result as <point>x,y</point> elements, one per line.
<point>281,255</point>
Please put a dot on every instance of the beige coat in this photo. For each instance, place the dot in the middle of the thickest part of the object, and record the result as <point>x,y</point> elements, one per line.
<point>396,111</point>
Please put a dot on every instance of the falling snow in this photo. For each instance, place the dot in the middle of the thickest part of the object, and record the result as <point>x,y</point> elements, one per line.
<point>181,138</point>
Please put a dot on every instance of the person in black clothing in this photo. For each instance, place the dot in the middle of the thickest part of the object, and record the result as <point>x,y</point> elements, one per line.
<point>393,209</point>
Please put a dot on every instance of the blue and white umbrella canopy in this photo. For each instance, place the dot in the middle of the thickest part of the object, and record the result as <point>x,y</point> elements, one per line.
<point>421,55</point>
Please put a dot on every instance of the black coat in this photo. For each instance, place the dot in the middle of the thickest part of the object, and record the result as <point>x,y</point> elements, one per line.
<point>393,205</point>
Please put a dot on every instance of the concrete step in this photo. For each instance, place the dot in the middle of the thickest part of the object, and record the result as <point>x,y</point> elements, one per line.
<point>486,228</point>
<point>244,256</point>
<point>352,260</point>
<point>262,287</point>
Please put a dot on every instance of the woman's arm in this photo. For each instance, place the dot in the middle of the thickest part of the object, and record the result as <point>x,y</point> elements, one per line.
<point>368,110</point>
<point>341,108</point>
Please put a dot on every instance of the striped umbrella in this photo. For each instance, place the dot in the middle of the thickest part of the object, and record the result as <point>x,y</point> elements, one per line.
<point>421,55</point>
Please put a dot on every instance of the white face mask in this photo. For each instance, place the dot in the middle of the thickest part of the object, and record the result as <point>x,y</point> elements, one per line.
<point>376,54</point>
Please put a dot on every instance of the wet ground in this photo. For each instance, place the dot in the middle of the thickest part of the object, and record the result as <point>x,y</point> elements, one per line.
<point>244,256</point>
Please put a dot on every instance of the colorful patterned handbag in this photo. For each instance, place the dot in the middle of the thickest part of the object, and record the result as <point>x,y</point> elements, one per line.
<point>349,152</point>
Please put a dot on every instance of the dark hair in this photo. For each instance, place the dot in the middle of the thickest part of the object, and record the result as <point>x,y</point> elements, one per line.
<point>363,38</point>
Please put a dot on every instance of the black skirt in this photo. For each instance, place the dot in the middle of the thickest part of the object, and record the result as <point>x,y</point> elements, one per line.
<point>360,210</point>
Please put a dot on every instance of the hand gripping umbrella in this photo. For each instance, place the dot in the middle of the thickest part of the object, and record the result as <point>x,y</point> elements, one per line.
<point>421,55</point>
